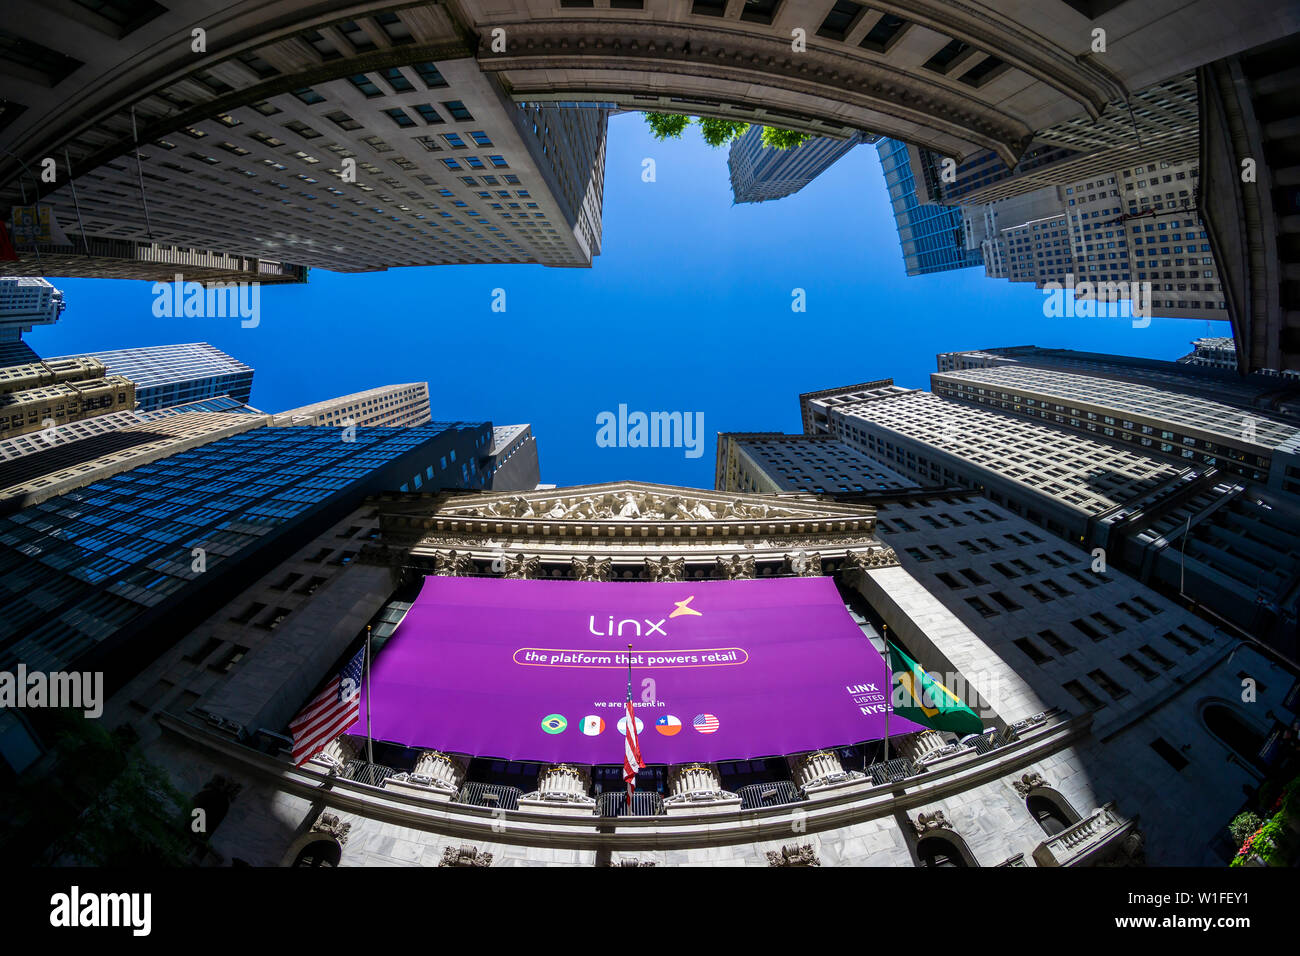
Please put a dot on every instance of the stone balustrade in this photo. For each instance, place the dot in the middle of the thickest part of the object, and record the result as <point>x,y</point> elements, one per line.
<point>1094,838</point>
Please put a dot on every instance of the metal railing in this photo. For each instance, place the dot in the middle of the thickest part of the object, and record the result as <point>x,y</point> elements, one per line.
<point>898,768</point>
<point>755,796</point>
<point>644,804</point>
<point>494,796</point>
<point>371,774</point>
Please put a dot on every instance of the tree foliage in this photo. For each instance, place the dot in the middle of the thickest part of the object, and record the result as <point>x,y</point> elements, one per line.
<point>720,132</point>
<point>667,125</point>
<point>774,138</point>
<point>98,803</point>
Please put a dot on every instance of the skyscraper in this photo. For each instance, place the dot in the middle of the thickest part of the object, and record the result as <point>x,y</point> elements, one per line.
<point>1129,227</point>
<point>25,302</point>
<point>389,405</point>
<point>513,463</point>
<point>760,173</point>
<point>1155,124</point>
<point>175,374</point>
<point>931,236</point>
<point>136,554</point>
<point>315,143</point>
<point>377,142</point>
<point>1252,192</point>
<point>1189,494</point>
<point>50,394</point>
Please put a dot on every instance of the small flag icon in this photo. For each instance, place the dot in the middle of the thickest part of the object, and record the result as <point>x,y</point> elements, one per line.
<point>622,725</point>
<point>554,723</point>
<point>705,723</point>
<point>593,725</point>
<point>668,725</point>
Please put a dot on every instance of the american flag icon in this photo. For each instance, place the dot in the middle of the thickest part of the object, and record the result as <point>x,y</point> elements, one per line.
<point>705,723</point>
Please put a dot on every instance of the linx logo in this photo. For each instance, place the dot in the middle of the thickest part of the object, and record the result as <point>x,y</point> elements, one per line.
<point>652,627</point>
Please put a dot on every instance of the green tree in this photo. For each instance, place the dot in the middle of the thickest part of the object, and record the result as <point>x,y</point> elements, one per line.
<point>720,132</point>
<point>774,138</point>
<point>667,125</point>
<point>94,800</point>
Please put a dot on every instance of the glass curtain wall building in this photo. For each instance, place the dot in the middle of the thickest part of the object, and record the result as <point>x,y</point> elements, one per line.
<point>172,374</point>
<point>932,237</point>
<point>87,577</point>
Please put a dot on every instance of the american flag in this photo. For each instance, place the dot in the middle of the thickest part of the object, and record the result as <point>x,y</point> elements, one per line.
<point>631,751</point>
<point>335,709</point>
<point>705,723</point>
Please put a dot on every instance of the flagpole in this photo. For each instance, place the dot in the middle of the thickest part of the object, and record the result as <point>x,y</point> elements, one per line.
<point>889,702</point>
<point>370,740</point>
<point>631,723</point>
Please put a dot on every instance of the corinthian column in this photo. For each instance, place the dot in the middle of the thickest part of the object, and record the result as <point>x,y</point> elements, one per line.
<point>821,769</point>
<point>437,776</point>
<point>336,753</point>
<point>695,788</point>
<point>561,786</point>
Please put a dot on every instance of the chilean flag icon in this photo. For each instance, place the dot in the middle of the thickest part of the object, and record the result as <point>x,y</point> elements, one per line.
<point>668,725</point>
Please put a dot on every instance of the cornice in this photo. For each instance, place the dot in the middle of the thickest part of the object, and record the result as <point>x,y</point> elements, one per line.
<point>705,51</point>
<point>827,810</point>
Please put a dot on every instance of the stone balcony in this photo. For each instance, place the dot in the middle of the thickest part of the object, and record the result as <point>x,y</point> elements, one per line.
<point>1103,838</point>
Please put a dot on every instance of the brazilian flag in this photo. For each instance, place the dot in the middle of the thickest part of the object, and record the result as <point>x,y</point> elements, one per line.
<point>930,704</point>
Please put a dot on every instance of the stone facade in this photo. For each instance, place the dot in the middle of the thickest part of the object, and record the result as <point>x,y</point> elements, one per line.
<point>979,802</point>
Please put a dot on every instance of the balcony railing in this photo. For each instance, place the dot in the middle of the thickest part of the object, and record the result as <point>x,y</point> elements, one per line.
<point>494,796</point>
<point>371,774</point>
<point>1086,841</point>
<point>645,803</point>
<point>755,796</point>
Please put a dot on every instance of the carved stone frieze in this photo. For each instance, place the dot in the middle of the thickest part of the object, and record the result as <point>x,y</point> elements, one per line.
<point>522,565</point>
<point>1027,782</point>
<point>630,504</point>
<point>665,569</point>
<point>869,560</point>
<point>925,822</point>
<point>804,563</point>
<point>465,856</point>
<point>591,569</point>
<point>330,825</point>
<point>794,854</point>
<point>452,564</point>
<point>736,567</point>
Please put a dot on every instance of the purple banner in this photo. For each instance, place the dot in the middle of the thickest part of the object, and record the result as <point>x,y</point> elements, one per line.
<point>537,670</point>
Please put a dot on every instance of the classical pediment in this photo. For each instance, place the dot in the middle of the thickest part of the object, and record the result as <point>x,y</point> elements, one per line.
<point>640,501</point>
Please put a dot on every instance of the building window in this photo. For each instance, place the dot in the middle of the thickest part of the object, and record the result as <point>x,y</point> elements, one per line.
<point>54,66</point>
<point>364,84</point>
<point>399,117</point>
<point>428,114</point>
<point>429,74</point>
<point>128,15</point>
<point>841,20</point>
<point>457,110</point>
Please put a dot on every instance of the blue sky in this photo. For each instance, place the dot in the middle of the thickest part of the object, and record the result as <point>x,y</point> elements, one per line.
<point>686,309</point>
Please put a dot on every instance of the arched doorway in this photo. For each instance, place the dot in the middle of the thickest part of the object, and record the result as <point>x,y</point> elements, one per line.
<point>1226,724</point>
<point>1050,815</point>
<point>940,851</point>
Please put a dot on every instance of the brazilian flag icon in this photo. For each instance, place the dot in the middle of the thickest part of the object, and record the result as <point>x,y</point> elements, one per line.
<point>928,702</point>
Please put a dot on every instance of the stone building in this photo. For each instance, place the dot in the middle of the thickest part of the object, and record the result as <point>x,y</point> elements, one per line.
<point>1061,777</point>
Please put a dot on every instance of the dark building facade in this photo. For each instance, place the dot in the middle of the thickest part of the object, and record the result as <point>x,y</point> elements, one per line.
<point>93,575</point>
